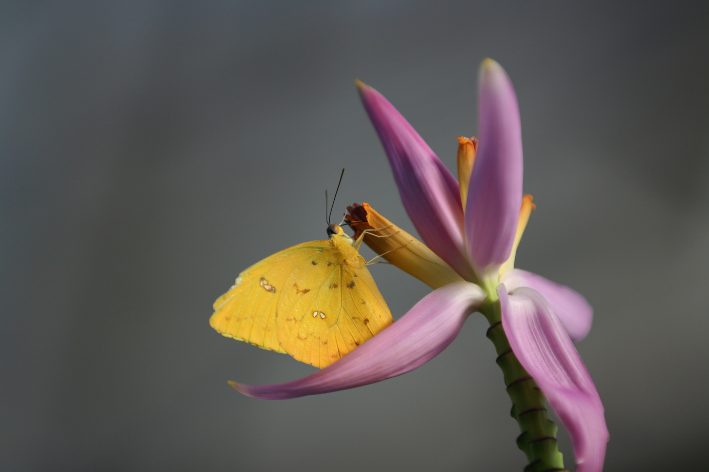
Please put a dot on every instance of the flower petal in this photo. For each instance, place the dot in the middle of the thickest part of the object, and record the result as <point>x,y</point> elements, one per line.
<point>542,346</point>
<point>428,190</point>
<point>400,248</point>
<point>570,306</point>
<point>419,336</point>
<point>495,191</point>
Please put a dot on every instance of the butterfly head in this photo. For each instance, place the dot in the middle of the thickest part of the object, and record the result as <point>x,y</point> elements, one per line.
<point>335,232</point>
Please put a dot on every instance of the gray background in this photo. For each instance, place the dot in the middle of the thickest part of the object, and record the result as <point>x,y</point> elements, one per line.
<point>151,151</point>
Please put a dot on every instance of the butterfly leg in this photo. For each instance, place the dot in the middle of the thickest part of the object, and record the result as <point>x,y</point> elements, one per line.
<point>358,243</point>
<point>369,262</point>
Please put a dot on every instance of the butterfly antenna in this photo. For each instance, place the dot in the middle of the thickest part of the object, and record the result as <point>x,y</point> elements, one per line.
<point>335,197</point>
<point>327,218</point>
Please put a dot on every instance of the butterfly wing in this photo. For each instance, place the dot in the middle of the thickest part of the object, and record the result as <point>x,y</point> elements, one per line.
<point>314,301</point>
<point>247,312</point>
<point>329,307</point>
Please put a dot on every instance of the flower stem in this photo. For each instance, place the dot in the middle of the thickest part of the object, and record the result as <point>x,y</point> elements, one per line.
<point>538,438</point>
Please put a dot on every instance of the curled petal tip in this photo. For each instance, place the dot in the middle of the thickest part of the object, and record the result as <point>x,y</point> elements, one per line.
<point>492,74</point>
<point>258,391</point>
<point>489,65</point>
<point>239,387</point>
<point>419,336</point>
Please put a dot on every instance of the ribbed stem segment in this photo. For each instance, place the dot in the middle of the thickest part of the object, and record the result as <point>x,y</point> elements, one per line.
<point>538,438</point>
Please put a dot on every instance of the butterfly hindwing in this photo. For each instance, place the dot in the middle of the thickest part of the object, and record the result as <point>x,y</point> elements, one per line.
<point>341,309</point>
<point>305,302</point>
<point>368,308</point>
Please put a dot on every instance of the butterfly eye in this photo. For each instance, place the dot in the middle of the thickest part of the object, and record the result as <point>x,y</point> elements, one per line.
<point>331,230</point>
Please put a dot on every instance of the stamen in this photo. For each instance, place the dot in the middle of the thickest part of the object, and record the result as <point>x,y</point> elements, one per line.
<point>466,158</point>
<point>525,211</point>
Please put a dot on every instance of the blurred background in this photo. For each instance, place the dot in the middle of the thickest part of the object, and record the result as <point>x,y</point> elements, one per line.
<point>150,151</point>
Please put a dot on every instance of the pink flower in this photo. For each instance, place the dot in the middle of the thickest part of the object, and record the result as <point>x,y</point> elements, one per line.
<point>471,228</point>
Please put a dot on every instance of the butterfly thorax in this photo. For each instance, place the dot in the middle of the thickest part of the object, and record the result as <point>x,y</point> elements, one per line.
<point>345,246</point>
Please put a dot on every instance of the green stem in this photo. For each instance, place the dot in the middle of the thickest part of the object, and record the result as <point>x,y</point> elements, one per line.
<point>538,438</point>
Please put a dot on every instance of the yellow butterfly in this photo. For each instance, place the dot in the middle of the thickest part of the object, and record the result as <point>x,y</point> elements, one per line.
<point>315,301</point>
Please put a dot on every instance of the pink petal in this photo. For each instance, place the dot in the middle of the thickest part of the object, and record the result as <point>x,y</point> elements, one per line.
<point>542,346</point>
<point>428,190</point>
<point>495,191</point>
<point>419,336</point>
<point>572,309</point>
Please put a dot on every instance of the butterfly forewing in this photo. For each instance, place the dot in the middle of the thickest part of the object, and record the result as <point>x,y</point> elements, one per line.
<point>247,312</point>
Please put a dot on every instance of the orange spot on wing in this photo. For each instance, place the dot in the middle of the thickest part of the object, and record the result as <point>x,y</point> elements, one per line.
<point>298,290</point>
